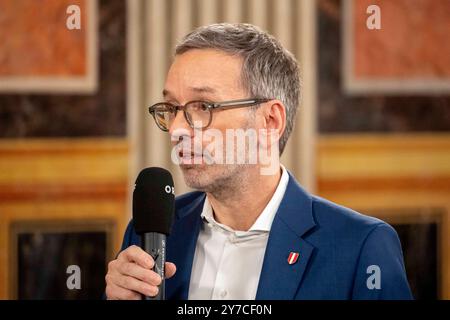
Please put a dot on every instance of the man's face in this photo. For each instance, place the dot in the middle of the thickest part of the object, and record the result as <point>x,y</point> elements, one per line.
<point>212,76</point>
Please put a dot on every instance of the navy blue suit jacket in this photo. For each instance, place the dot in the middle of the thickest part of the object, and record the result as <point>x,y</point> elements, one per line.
<point>336,247</point>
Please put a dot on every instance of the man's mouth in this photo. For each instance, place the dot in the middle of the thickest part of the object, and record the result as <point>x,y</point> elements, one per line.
<point>190,158</point>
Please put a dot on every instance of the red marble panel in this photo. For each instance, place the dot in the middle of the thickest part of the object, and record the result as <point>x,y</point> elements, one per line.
<point>36,42</point>
<point>413,41</point>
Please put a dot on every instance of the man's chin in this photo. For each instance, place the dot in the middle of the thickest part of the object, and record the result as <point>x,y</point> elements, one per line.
<point>190,166</point>
<point>198,176</point>
<point>189,162</point>
<point>193,179</point>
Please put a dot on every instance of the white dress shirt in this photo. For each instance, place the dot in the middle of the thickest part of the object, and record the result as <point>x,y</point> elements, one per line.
<point>227,263</point>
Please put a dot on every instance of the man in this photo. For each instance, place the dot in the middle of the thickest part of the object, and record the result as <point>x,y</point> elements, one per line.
<point>246,234</point>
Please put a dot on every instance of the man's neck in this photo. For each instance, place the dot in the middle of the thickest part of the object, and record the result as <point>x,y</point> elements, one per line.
<point>242,208</point>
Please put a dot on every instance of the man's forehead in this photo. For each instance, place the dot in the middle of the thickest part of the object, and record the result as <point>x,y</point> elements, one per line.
<point>205,62</point>
<point>203,73</point>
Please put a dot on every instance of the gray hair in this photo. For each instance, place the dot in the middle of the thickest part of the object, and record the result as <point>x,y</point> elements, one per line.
<point>268,70</point>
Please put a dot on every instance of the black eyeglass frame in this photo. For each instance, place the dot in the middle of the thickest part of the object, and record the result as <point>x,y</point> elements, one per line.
<point>224,105</point>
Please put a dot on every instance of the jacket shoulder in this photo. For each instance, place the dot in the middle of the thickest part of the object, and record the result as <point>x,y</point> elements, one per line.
<point>354,243</point>
<point>328,214</point>
<point>339,226</point>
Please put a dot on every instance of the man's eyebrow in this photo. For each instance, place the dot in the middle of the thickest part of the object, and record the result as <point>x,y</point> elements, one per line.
<point>205,89</point>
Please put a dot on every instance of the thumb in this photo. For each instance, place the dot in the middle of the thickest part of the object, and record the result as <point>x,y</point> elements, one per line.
<point>170,270</point>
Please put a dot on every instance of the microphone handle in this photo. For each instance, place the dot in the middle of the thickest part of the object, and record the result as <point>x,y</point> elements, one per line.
<point>155,245</point>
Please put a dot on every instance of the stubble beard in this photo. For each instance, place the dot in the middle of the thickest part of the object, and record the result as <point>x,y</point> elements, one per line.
<point>222,181</point>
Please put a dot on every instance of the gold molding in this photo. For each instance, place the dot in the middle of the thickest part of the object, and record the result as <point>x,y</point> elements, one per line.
<point>390,156</point>
<point>63,180</point>
<point>392,175</point>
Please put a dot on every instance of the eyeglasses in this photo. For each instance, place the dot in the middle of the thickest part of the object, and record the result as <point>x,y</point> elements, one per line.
<point>198,114</point>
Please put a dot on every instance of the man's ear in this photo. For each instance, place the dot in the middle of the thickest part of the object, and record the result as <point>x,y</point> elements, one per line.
<point>274,113</point>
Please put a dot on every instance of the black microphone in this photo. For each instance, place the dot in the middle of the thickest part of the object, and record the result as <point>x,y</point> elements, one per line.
<point>153,211</point>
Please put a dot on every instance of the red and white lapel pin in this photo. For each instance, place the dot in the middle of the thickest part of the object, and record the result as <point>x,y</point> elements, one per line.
<point>293,257</point>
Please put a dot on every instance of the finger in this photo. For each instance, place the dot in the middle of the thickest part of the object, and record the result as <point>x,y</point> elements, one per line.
<point>170,270</point>
<point>114,292</point>
<point>130,283</point>
<point>136,271</point>
<point>136,254</point>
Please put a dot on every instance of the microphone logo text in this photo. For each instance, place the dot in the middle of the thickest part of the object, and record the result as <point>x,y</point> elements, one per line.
<point>169,189</point>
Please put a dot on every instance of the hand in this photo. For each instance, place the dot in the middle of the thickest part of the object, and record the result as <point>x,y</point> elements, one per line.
<point>130,275</point>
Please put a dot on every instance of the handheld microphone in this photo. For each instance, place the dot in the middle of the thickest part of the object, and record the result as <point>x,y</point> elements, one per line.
<point>153,211</point>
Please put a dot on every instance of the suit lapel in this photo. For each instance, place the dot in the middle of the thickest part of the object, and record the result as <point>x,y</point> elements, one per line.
<point>181,249</point>
<point>279,279</point>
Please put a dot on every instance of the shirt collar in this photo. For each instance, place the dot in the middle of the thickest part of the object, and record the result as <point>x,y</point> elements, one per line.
<point>265,219</point>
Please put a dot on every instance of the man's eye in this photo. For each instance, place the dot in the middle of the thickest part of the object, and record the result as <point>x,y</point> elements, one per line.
<point>204,106</point>
<point>171,106</point>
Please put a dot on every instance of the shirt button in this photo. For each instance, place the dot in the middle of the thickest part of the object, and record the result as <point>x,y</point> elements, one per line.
<point>223,293</point>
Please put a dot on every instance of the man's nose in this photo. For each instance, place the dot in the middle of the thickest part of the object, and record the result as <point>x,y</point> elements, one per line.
<point>179,126</point>
<point>179,122</point>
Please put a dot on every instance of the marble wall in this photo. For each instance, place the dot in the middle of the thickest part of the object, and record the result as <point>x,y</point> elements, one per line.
<point>339,112</point>
<point>63,157</point>
<point>78,115</point>
<point>412,42</point>
<point>35,41</point>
